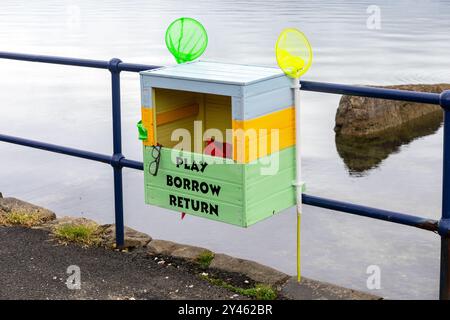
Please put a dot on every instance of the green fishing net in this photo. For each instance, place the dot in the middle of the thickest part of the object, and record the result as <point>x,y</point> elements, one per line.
<point>186,39</point>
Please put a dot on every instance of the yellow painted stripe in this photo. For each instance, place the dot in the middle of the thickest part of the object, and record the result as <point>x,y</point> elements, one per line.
<point>257,141</point>
<point>275,120</point>
<point>147,121</point>
<point>250,147</point>
<point>248,144</point>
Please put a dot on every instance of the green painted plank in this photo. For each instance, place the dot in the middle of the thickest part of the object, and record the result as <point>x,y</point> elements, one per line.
<point>193,162</point>
<point>245,197</point>
<point>199,206</point>
<point>266,195</point>
<point>146,156</point>
<point>278,161</point>
<point>266,186</point>
<point>195,184</point>
<point>270,206</point>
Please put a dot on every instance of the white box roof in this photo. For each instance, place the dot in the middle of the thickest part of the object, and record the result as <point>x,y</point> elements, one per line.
<point>215,72</point>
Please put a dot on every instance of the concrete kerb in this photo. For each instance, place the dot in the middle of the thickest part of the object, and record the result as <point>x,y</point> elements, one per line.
<point>286,285</point>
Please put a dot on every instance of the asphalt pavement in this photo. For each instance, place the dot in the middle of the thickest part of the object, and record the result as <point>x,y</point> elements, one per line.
<point>33,266</point>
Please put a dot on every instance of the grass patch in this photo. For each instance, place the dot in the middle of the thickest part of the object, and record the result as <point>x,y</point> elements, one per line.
<point>259,292</point>
<point>205,258</point>
<point>86,234</point>
<point>19,218</point>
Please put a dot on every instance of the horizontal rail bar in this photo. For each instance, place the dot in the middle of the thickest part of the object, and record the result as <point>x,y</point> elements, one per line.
<point>88,63</point>
<point>99,64</point>
<point>56,148</point>
<point>132,164</point>
<point>381,93</point>
<point>371,92</point>
<point>133,67</point>
<point>333,88</point>
<point>391,216</point>
<point>414,221</point>
<point>94,156</point>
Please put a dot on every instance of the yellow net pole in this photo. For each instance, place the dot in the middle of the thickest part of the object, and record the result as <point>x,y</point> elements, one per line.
<point>294,57</point>
<point>298,181</point>
<point>299,271</point>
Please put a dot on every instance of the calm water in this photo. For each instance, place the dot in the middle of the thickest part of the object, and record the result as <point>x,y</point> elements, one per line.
<point>71,106</point>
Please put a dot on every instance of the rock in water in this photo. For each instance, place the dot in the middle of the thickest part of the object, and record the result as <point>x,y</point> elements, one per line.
<point>364,117</point>
<point>362,153</point>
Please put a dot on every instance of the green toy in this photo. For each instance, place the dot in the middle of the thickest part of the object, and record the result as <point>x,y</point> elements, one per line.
<point>143,133</point>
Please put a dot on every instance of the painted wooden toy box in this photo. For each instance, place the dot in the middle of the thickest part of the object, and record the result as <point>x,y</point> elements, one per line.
<point>227,133</point>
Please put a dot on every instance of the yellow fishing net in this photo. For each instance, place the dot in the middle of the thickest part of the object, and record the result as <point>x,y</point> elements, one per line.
<point>293,52</point>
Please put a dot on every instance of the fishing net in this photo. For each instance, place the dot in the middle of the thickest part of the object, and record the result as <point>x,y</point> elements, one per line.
<point>293,52</point>
<point>186,39</point>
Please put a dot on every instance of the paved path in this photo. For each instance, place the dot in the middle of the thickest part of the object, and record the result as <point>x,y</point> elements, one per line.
<point>34,267</point>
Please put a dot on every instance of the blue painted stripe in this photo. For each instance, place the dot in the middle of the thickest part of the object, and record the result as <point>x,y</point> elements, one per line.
<point>146,94</point>
<point>265,103</point>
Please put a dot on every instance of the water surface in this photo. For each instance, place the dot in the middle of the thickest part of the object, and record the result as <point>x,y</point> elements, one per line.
<point>71,106</point>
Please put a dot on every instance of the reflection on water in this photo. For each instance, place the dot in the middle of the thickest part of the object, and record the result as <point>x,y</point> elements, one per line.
<point>360,154</point>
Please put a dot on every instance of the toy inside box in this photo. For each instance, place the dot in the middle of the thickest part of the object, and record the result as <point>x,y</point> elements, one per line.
<point>227,133</point>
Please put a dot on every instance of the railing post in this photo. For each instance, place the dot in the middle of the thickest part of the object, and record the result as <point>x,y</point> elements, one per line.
<point>117,150</point>
<point>444,223</point>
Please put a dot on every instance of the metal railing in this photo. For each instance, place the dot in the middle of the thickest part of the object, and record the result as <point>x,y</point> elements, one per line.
<point>118,161</point>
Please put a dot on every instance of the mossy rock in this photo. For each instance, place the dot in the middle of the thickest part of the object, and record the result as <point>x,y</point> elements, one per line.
<point>17,212</point>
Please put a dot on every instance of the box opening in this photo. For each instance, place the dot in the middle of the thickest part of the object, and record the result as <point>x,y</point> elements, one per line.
<point>194,122</point>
